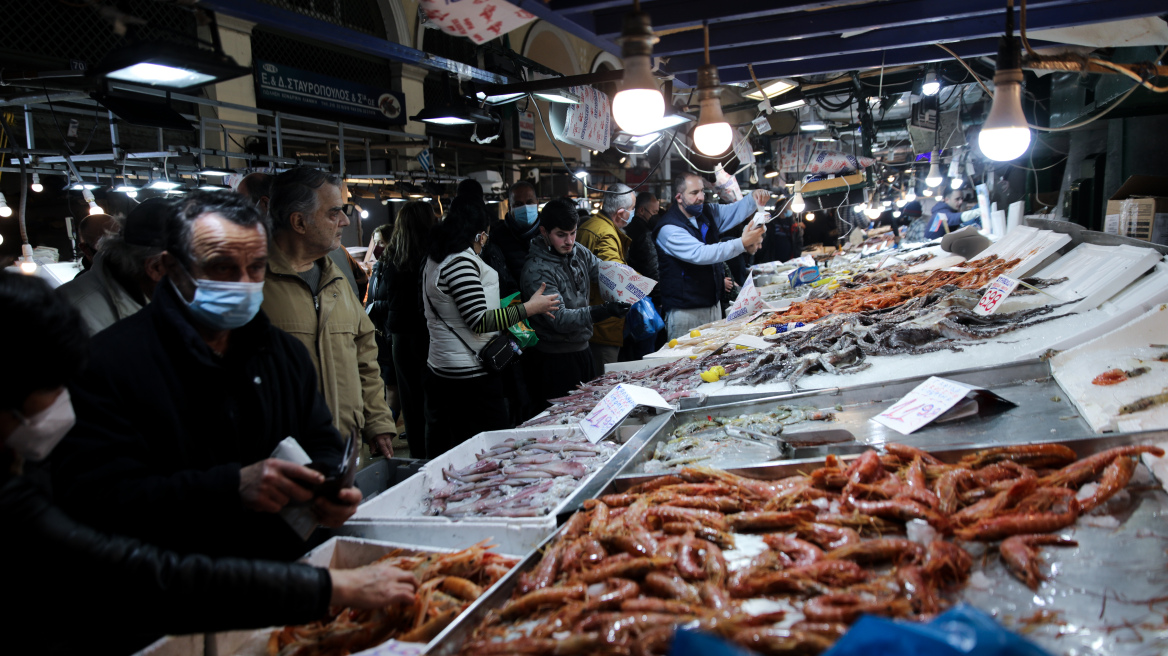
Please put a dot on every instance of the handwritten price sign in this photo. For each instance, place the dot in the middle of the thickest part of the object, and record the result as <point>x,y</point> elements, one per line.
<point>999,289</point>
<point>925,403</point>
<point>615,406</point>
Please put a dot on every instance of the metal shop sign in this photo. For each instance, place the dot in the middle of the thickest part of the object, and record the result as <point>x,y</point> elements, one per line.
<point>293,86</point>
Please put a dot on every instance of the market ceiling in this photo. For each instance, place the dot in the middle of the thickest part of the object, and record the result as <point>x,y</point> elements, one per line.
<point>785,38</point>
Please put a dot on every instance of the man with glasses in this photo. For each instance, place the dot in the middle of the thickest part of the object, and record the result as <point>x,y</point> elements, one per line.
<point>306,294</point>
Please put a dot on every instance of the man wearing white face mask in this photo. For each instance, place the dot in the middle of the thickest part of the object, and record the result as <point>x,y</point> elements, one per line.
<point>112,576</point>
<point>186,400</point>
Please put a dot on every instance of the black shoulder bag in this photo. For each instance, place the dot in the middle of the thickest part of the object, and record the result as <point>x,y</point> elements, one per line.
<point>499,353</point>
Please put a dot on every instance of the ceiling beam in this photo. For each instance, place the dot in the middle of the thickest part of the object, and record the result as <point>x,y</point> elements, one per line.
<point>669,14</point>
<point>836,21</point>
<point>859,61</point>
<point>912,35</point>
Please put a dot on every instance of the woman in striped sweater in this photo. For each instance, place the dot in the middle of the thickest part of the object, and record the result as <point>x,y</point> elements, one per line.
<point>461,295</point>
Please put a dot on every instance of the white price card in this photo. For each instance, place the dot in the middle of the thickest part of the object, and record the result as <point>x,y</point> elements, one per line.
<point>999,289</point>
<point>925,403</point>
<point>615,406</point>
<point>750,341</point>
<point>748,302</point>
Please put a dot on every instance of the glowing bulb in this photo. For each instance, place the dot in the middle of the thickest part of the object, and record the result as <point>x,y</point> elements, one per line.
<point>873,213</point>
<point>896,214</point>
<point>861,208</point>
<point>901,202</point>
<point>910,196</point>
<point>5,211</point>
<point>28,267</point>
<point>713,138</point>
<point>639,107</point>
<point>36,185</point>
<point>94,208</point>
<point>931,86</point>
<point>809,217</point>
<point>934,179</point>
<point>955,179</point>
<point>364,214</point>
<point>1005,135</point>
<point>928,193</point>
<point>886,203</point>
<point>131,194</point>
<point>797,204</point>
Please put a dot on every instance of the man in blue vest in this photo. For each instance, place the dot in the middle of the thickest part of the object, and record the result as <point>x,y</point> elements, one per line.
<point>947,215</point>
<point>690,255</point>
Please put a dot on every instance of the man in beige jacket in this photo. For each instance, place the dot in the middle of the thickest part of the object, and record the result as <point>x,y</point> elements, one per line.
<point>306,295</point>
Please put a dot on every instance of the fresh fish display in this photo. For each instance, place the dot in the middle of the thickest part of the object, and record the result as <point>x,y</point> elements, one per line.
<point>521,477</point>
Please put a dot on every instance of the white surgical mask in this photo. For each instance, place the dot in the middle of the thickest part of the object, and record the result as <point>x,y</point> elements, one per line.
<point>36,436</point>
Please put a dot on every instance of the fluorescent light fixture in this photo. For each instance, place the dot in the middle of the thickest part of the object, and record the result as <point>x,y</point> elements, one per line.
<point>455,113</point>
<point>583,175</point>
<point>769,171</point>
<point>213,172</point>
<point>823,138</point>
<point>813,126</point>
<point>501,99</point>
<point>80,186</point>
<point>757,153</point>
<point>169,65</point>
<point>646,140</point>
<point>211,187</point>
<point>772,89</point>
<point>164,185</point>
<point>125,188</point>
<point>558,96</point>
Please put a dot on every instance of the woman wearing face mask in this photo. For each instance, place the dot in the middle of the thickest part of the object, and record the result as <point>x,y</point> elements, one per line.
<point>461,301</point>
<point>121,593</point>
<point>377,307</point>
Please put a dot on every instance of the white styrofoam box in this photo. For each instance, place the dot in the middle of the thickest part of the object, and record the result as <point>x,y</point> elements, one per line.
<point>1126,348</point>
<point>406,500</point>
<point>1030,245</point>
<point>513,538</point>
<point>339,553</point>
<point>655,359</point>
<point>1136,299</point>
<point>1096,273</point>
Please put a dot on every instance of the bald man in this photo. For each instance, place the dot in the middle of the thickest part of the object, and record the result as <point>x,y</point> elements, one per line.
<point>90,231</point>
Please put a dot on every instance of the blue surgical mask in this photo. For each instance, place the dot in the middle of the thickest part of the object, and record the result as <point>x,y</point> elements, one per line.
<point>695,209</point>
<point>225,305</point>
<point>526,215</point>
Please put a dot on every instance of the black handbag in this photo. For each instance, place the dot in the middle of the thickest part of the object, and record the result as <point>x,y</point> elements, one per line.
<point>499,353</point>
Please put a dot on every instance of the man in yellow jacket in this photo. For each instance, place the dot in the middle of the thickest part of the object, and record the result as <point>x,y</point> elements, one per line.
<point>307,295</point>
<point>603,234</point>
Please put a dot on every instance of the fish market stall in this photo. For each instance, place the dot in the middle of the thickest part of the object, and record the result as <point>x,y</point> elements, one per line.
<point>785,557</point>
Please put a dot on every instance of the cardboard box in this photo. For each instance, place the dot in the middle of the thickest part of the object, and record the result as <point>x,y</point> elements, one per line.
<point>1139,209</point>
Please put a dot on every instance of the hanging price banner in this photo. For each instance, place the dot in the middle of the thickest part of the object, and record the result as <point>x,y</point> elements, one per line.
<point>999,289</point>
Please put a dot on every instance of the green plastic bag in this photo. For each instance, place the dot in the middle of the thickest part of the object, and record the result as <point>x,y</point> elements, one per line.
<point>521,331</point>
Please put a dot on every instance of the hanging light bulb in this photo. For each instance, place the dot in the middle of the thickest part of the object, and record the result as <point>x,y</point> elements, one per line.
<point>934,179</point>
<point>912,191</point>
<point>927,193</point>
<point>896,214</point>
<point>28,266</point>
<point>5,211</point>
<point>639,107</point>
<point>94,208</point>
<point>797,204</point>
<point>810,216</point>
<point>1005,134</point>
<point>713,135</point>
<point>902,201</point>
<point>36,185</point>
<point>955,179</point>
<point>931,85</point>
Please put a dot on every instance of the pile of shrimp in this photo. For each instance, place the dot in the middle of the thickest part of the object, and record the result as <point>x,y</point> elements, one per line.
<point>630,568</point>
<point>892,292</point>
<point>448,584</point>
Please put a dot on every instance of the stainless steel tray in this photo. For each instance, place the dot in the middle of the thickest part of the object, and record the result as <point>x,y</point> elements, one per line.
<point>1044,412</point>
<point>1108,596</point>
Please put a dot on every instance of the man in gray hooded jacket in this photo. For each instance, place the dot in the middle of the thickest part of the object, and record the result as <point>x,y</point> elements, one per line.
<point>562,359</point>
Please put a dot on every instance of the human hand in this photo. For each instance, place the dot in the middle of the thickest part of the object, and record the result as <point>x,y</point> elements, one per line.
<point>382,444</point>
<point>729,284</point>
<point>269,485</point>
<point>539,303</point>
<point>372,586</point>
<point>761,197</point>
<point>752,237</point>
<point>617,309</point>
<point>336,511</point>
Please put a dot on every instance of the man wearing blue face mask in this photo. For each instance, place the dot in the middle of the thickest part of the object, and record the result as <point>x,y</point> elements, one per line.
<point>522,225</point>
<point>690,256</point>
<point>184,402</point>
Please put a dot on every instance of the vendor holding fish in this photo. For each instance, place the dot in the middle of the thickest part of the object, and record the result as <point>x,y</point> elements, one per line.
<point>690,255</point>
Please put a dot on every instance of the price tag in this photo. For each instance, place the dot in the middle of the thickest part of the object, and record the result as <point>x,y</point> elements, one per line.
<point>925,403</point>
<point>999,289</point>
<point>750,341</point>
<point>762,124</point>
<point>748,302</point>
<point>615,406</point>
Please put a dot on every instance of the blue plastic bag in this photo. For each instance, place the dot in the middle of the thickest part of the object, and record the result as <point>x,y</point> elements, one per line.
<point>642,321</point>
<point>961,631</point>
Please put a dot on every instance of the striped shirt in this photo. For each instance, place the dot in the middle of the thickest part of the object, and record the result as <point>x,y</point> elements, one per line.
<point>460,279</point>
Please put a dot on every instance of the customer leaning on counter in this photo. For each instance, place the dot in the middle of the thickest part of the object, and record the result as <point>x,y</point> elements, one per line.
<point>75,590</point>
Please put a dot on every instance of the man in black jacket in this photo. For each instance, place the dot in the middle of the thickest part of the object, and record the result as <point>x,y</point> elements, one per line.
<point>520,226</point>
<point>184,402</point>
<point>112,577</point>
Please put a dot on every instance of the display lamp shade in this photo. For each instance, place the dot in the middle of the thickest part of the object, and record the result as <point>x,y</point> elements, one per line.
<point>5,211</point>
<point>955,179</point>
<point>639,106</point>
<point>797,203</point>
<point>36,185</point>
<point>1005,135</point>
<point>769,172</point>
<point>931,85</point>
<point>169,65</point>
<point>934,178</point>
<point>127,189</point>
<point>447,114</point>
